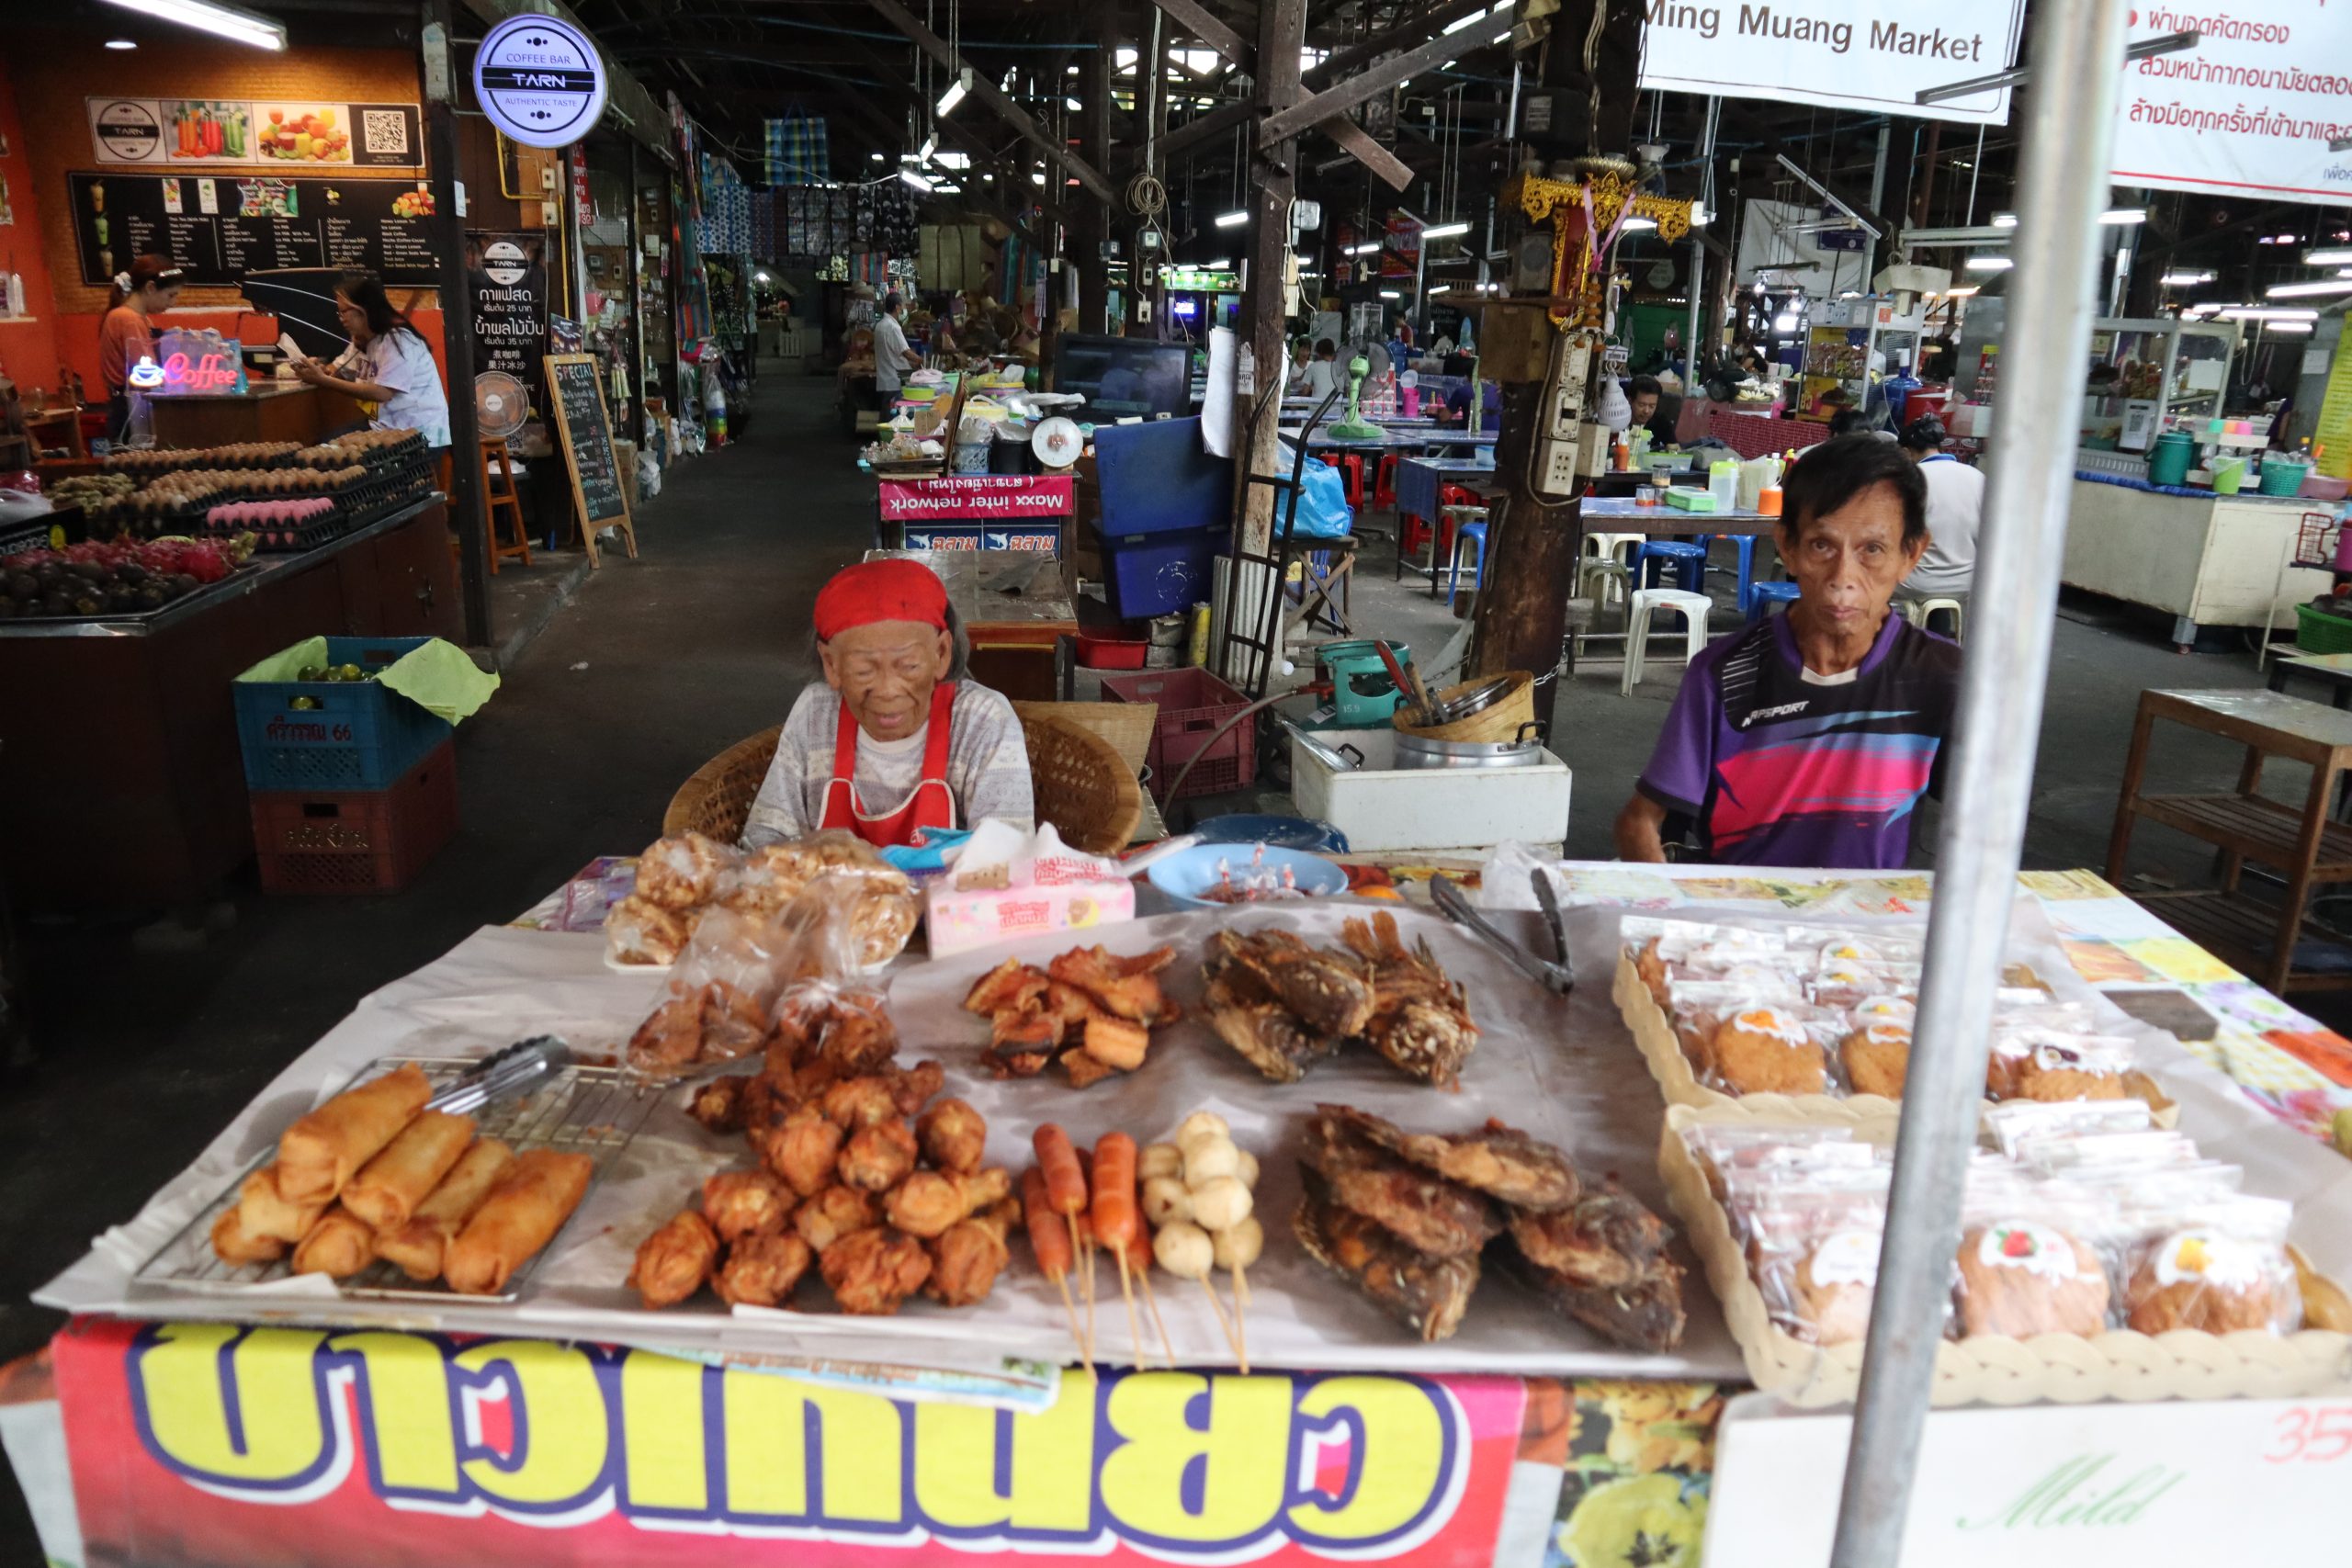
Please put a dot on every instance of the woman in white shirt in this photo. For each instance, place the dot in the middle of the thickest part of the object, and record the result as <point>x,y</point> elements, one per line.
<point>388,363</point>
<point>1955,511</point>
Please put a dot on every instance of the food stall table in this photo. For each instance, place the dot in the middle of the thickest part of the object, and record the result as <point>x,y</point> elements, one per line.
<point>121,740</point>
<point>2333,670</point>
<point>1401,440</point>
<point>1014,605</point>
<point>271,411</point>
<point>1461,1453</point>
<point>2207,560</point>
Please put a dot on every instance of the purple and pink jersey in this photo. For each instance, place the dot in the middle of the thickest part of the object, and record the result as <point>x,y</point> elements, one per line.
<point>1777,768</point>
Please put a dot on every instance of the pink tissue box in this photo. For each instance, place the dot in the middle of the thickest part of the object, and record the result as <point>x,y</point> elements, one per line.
<point>961,921</point>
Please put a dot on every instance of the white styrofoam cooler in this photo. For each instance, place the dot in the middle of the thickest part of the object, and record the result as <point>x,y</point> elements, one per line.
<point>1382,807</point>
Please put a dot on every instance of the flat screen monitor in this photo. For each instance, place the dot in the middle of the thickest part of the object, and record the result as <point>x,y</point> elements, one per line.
<point>1122,376</point>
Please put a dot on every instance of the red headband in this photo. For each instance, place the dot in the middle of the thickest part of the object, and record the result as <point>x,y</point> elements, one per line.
<point>880,590</point>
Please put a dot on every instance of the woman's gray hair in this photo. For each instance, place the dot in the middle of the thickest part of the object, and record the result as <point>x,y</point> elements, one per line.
<point>960,658</point>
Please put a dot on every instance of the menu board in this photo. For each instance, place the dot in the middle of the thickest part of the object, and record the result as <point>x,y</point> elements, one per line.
<point>216,228</point>
<point>579,414</point>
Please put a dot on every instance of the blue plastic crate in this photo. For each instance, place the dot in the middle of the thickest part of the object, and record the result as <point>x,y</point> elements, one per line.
<point>1158,574</point>
<point>361,735</point>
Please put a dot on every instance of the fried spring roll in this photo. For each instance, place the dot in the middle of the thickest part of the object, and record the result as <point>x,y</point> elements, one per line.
<point>238,1244</point>
<point>522,1212</point>
<point>418,1245</point>
<point>389,1187</point>
<point>326,1148</point>
<point>266,1212</point>
<point>339,1245</point>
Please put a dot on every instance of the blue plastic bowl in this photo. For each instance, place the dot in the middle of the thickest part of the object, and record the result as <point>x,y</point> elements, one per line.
<point>1184,877</point>
<point>1278,832</point>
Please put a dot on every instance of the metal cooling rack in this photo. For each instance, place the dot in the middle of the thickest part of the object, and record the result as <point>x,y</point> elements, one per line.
<point>594,1111</point>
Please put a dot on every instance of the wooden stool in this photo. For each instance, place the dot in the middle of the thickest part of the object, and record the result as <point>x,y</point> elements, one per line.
<point>509,500</point>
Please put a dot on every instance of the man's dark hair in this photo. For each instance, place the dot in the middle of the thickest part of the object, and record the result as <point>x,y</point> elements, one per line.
<point>1641,385</point>
<point>1845,422</point>
<point>1925,433</point>
<point>1828,476</point>
<point>1326,348</point>
<point>892,302</point>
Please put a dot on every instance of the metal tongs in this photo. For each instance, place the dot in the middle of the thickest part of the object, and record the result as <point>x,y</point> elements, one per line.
<point>1556,973</point>
<point>508,1074</point>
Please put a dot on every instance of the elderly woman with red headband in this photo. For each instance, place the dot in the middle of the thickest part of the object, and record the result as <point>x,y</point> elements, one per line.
<point>895,739</point>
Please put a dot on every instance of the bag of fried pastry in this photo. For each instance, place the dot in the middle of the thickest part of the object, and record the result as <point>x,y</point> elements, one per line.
<point>715,1007</point>
<point>677,879</point>
<point>825,1004</point>
<point>1812,1247</point>
<point>1745,1039</point>
<point>1729,1153</point>
<point>2029,1260</point>
<point>881,900</point>
<point>2218,1267</point>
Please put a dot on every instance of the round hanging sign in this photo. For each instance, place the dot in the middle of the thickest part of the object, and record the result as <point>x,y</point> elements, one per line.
<point>540,80</point>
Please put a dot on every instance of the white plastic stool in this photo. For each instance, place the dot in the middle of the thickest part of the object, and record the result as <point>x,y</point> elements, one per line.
<point>1605,557</point>
<point>1917,611</point>
<point>1691,607</point>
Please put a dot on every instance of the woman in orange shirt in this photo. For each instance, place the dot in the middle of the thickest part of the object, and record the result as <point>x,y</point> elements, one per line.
<point>125,333</point>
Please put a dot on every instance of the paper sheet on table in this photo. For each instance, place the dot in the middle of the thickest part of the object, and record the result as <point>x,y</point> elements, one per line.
<point>1217,403</point>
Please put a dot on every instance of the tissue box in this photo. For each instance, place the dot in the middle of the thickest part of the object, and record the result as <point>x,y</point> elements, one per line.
<point>962,920</point>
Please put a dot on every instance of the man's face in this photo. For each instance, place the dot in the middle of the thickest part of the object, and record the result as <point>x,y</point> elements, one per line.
<point>885,673</point>
<point>1645,407</point>
<point>1848,562</point>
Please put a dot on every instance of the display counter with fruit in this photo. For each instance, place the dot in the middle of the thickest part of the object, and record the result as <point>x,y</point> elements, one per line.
<point>115,668</point>
<point>271,411</point>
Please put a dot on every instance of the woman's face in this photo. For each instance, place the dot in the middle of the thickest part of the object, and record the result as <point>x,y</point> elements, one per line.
<point>354,319</point>
<point>885,673</point>
<point>159,297</point>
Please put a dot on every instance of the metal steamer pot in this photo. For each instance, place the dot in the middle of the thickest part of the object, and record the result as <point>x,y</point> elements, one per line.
<point>1415,752</point>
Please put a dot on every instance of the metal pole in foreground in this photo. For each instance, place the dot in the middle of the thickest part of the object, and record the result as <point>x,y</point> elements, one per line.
<point>1699,249</point>
<point>2078,56</point>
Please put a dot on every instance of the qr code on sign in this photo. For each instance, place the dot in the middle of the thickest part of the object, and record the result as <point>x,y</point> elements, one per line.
<point>384,132</point>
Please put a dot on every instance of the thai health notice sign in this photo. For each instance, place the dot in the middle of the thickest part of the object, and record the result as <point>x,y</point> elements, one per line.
<point>1877,55</point>
<point>2250,110</point>
<point>201,1444</point>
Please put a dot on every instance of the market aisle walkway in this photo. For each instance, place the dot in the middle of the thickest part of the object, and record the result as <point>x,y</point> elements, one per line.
<point>660,663</point>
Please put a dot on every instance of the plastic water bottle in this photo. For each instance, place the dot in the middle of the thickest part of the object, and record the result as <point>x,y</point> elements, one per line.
<point>714,405</point>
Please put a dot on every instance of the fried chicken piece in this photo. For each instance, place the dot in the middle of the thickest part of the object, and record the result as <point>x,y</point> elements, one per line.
<point>1645,1312</point>
<point>743,1202</point>
<point>718,1104</point>
<point>873,1270</point>
<point>1250,1018</point>
<point>869,1098</point>
<point>670,1038</point>
<point>1419,1020</point>
<point>1007,986</point>
<point>734,1021</point>
<point>1125,987</point>
<point>1500,1161</point>
<point>802,1150</point>
<point>832,1214</point>
<point>965,1261</point>
<point>928,1201</point>
<point>877,1159</point>
<point>850,1033</point>
<point>675,1261</point>
<point>761,1270</point>
<point>1605,1240</point>
<point>1330,993</point>
<point>1426,1211</point>
<point>953,1136</point>
<point>1426,1294</point>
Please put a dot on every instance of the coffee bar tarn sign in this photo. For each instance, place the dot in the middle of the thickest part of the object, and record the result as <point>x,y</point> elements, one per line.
<point>540,80</point>
<point>2249,111</point>
<point>1875,55</point>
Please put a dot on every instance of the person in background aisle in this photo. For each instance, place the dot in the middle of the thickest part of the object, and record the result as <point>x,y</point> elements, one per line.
<point>1645,393</point>
<point>1322,371</point>
<point>1301,355</point>
<point>1955,511</point>
<point>1807,738</point>
<point>387,367</point>
<point>892,357</point>
<point>128,330</point>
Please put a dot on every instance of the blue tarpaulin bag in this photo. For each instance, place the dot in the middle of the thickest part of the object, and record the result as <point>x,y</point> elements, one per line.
<point>1323,509</point>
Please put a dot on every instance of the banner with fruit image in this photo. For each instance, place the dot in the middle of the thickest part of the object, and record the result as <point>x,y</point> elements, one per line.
<point>216,131</point>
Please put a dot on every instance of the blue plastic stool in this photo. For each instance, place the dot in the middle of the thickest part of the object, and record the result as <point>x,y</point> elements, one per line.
<point>1762,596</point>
<point>1746,545</point>
<point>1473,534</point>
<point>1689,559</point>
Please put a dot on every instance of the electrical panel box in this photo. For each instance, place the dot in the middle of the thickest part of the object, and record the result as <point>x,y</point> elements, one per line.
<point>1592,449</point>
<point>1563,394</point>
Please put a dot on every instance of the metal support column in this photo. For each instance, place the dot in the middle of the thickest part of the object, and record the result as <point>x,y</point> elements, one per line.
<point>2077,51</point>
<point>457,339</point>
<point>1699,245</point>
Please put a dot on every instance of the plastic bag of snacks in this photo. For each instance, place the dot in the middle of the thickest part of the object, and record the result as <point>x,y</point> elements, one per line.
<point>716,1006</point>
<point>2026,1264</point>
<point>825,1010</point>
<point>1750,1039</point>
<point>681,879</point>
<point>2220,1265</point>
<point>1814,1238</point>
<point>677,880</point>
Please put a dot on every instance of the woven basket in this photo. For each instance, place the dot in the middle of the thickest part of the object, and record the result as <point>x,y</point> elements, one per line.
<point>2117,1364</point>
<point>1126,726</point>
<point>1503,722</point>
<point>716,799</point>
<point>1083,786</point>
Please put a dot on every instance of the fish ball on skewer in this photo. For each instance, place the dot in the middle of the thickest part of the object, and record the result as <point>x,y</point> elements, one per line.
<point>1184,1250</point>
<point>1165,1201</point>
<point>1220,1203</point>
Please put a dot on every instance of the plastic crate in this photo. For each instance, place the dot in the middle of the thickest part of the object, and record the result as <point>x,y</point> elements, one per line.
<point>1160,574</point>
<point>1194,704</point>
<point>373,841</point>
<point>359,737</point>
<point>2316,631</point>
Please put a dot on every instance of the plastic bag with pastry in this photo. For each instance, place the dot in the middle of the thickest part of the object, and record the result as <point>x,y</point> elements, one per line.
<point>2079,1067</point>
<point>2218,1268</point>
<point>1814,1240</point>
<point>685,872</point>
<point>2017,1124</point>
<point>2024,1264</point>
<point>1771,1048</point>
<point>639,930</point>
<point>1730,1152</point>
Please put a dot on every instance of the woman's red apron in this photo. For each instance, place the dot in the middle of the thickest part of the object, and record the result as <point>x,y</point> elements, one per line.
<point>931,805</point>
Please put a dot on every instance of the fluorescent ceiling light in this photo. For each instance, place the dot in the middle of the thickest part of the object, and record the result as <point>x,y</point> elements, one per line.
<point>2117,217</point>
<point>1390,294</point>
<point>2005,221</point>
<point>1073,103</point>
<point>1698,215</point>
<point>1965,291</point>
<point>1640,225</point>
<point>1367,248</point>
<point>1442,288</point>
<point>1784,324</point>
<point>1445,231</point>
<point>878,157</point>
<point>954,94</point>
<point>2186,280</point>
<point>1989,263</point>
<point>211,17</point>
<point>1220,263</point>
<point>2266,313</point>
<point>1232,219</point>
<point>914,179</point>
<point>2289,328</point>
<point>2334,256</point>
<point>122,43</point>
<point>923,151</point>
<point>2309,290</point>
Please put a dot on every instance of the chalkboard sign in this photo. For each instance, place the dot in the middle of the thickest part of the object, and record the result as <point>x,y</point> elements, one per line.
<point>216,228</point>
<point>578,410</point>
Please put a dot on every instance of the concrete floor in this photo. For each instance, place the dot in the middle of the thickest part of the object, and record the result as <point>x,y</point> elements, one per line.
<point>660,663</point>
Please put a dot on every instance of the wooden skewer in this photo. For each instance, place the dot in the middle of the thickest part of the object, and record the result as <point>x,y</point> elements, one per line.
<point>1240,1322</point>
<point>1127,1294</point>
<point>1083,1249</point>
<point>1223,1322</point>
<point>1151,1299</point>
<point>1075,1332</point>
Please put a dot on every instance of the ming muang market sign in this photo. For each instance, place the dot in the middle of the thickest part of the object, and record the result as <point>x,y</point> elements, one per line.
<point>273,1447</point>
<point>1877,55</point>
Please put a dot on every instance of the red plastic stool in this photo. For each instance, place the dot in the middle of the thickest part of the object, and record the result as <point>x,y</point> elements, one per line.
<point>1352,470</point>
<point>1383,486</point>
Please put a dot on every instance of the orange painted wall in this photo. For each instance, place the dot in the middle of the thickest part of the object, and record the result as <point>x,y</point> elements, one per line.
<point>27,349</point>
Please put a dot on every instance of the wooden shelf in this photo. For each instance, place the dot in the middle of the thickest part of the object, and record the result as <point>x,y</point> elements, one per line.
<point>2245,932</point>
<point>2262,831</point>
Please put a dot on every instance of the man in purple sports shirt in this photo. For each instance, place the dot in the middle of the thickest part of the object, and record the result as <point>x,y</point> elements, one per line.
<point>1808,739</point>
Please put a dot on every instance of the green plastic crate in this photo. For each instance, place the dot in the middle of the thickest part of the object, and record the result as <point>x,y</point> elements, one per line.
<point>2316,631</point>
